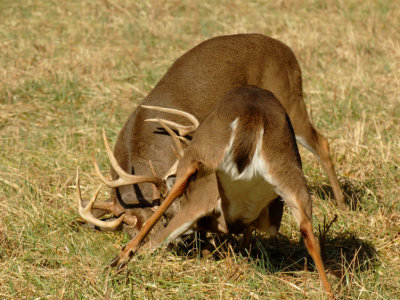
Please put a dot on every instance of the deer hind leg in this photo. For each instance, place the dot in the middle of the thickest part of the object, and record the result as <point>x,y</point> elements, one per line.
<point>318,145</point>
<point>315,142</point>
<point>300,206</point>
<point>312,245</point>
<point>309,137</point>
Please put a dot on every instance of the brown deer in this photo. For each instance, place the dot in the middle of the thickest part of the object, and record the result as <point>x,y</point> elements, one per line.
<point>242,157</point>
<point>195,83</point>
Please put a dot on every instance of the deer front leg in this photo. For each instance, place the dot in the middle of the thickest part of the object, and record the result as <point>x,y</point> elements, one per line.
<point>202,199</point>
<point>268,221</point>
<point>247,240</point>
<point>177,190</point>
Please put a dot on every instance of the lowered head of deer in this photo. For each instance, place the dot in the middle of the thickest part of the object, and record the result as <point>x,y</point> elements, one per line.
<point>242,157</point>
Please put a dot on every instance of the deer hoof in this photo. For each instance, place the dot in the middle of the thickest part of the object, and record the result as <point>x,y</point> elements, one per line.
<point>118,263</point>
<point>115,261</point>
<point>121,260</point>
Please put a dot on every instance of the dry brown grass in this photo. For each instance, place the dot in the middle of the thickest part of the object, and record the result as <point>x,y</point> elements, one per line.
<point>69,68</point>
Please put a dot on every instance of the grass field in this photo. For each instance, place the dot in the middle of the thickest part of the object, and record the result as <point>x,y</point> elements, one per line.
<point>70,68</point>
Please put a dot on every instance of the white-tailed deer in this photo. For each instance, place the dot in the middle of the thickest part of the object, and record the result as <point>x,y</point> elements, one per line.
<point>195,83</point>
<point>241,158</point>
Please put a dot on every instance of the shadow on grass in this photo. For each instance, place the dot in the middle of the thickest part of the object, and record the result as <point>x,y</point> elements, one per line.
<point>354,193</point>
<point>343,253</point>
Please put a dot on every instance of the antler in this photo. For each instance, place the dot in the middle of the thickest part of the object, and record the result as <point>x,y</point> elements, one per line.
<point>124,177</point>
<point>85,213</point>
<point>127,179</point>
<point>182,129</point>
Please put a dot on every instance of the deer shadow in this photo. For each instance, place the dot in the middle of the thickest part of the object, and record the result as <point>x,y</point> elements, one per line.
<point>354,192</point>
<point>343,253</point>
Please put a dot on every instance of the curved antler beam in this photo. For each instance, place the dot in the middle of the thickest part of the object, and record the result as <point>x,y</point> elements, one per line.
<point>124,177</point>
<point>85,213</point>
<point>182,129</point>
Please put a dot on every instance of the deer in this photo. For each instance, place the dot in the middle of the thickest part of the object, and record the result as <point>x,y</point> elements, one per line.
<point>242,158</point>
<point>194,84</point>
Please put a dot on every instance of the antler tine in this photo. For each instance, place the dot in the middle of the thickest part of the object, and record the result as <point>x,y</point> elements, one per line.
<point>157,192</point>
<point>178,145</point>
<point>178,112</point>
<point>85,213</point>
<point>183,139</point>
<point>182,129</point>
<point>172,170</point>
<point>173,135</point>
<point>124,177</point>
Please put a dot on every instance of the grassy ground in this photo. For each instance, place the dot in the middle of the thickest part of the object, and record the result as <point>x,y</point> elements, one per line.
<point>69,68</point>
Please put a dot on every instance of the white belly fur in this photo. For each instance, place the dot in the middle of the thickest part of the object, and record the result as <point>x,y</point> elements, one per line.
<point>245,198</point>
